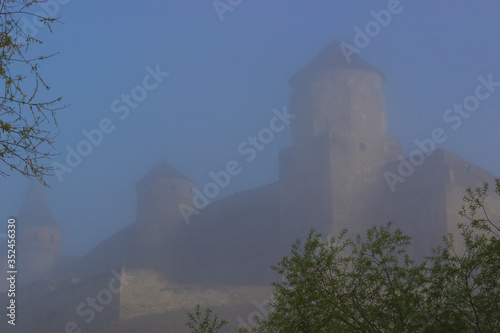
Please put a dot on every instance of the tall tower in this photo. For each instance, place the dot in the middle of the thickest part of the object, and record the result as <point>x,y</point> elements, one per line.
<point>39,235</point>
<point>159,195</point>
<point>332,171</point>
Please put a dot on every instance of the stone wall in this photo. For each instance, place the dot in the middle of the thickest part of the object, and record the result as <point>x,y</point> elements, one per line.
<point>158,207</point>
<point>427,204</point>
<point>149,293</point>
<point>464,175</point>
<point>67,306</point>
<point>330,176</point>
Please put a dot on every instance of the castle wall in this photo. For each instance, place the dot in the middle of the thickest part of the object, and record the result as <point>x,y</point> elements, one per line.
<point>357,151</point>
<point>39,247</point>
<point>462,176</point>
<point>149,293</point>
<point>305,192</point>
<point>68,306</point>
<point>427,204</point>
<point>41,239</point>
<point>418,205</point>
<point>35,266</point>
<point>158,207</point>
<point>330,176</point>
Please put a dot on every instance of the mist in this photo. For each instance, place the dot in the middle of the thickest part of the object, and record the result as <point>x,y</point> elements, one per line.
<point>193,84</point>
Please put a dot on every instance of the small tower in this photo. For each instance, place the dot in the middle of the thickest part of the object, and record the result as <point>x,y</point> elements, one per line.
<point>39,234</point>
<point>159,195</point>
<point>339,145</point>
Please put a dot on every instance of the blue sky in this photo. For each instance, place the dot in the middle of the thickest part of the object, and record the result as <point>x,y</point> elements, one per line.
<point>226,77</point>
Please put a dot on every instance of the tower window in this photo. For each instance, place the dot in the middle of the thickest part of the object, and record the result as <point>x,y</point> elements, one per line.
<point>362,146</point>
<point>52,238</point>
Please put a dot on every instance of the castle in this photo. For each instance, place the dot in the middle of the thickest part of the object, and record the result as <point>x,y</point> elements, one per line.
<point>333,176</point>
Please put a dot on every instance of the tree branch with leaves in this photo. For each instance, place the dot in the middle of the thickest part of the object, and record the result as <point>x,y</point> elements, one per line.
<point>370,283</point>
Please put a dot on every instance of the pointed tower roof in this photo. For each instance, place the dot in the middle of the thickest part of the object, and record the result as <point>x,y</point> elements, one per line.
<point>35,211</point>
<point>335,55</point>
<point>162,170</point>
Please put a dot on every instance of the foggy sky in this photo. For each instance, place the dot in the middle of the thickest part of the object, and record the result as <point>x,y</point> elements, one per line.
<point>225,78</point>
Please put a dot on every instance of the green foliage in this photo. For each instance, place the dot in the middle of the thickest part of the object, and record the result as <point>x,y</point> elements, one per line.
<point>370,284</point>
<point>465,285</point>
<point>363,285</point>
<point>200,322</point>
<point>25,120</point>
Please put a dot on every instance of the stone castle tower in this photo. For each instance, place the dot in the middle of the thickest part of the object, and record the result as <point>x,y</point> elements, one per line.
<point>39,235</point>
<point>330,175</point>
<point>333,174</point>
<point>159,195</point>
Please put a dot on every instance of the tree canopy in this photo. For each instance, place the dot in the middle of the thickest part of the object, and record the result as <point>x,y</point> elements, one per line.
<point>370,283</point>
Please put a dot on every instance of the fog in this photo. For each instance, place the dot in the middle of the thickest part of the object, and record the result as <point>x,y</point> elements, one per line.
<point>212,77</point>
<point>225,78</point>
